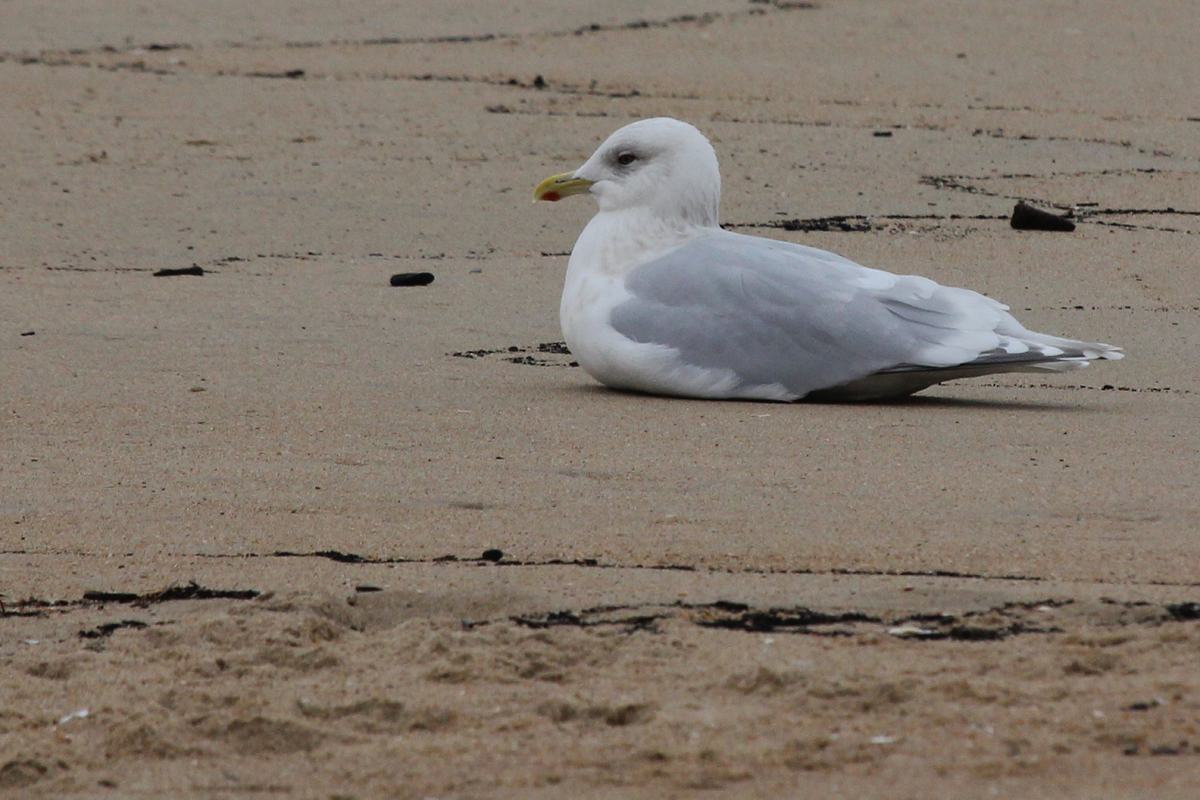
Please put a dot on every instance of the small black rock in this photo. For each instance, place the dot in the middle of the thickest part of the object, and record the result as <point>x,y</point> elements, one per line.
<point>1027,218</point>
<point>194,269</point>
<point>492,554</point>
<point>363,587</point>
<point>412,279</point>
<point>1184,610</point>
<point>28,333</point>
<point>882,134</point>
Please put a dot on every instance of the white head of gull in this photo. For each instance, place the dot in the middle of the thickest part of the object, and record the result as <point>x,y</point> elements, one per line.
<point>659,299</point>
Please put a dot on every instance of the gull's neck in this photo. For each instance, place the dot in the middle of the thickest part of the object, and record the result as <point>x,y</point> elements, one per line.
<point>617,242</point>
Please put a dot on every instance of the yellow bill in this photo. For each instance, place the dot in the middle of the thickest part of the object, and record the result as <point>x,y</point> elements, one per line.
<point>556,187</point>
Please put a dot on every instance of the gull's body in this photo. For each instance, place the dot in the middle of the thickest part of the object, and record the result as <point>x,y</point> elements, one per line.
<point>659,299</point>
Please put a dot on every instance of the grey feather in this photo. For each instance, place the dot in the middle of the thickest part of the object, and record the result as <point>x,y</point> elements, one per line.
<point>812,321</point>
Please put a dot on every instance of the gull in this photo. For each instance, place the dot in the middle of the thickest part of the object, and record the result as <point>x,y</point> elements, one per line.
<point>659,299</point>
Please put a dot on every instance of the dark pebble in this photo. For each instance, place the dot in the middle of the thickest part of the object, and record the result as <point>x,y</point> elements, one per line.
<point>412,279</point>
<point>366,588</point>
<point>492,554</point>
<point>1027,218</point>
<point>882,134</point>
<point>194,269</point>
<point>28,333</point>
<point>1184,610</point>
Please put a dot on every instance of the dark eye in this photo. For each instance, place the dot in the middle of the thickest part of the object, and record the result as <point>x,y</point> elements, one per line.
<point>625,159</point>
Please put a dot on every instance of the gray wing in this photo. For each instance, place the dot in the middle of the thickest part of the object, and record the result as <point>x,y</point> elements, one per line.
<point>776,312</point>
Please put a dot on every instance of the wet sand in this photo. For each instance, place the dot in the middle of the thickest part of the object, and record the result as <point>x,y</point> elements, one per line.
<point>243,515</point>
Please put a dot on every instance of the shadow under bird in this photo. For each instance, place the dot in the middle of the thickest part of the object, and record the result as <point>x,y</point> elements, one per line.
<point>659,299</point>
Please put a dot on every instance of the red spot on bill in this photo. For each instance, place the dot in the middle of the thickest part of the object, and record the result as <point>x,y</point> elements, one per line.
<point>553,197</point>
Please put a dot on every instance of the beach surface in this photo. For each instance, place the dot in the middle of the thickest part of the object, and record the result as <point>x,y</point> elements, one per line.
<point>275,527</point>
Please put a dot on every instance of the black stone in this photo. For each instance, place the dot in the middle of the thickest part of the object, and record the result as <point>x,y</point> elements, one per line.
<point>194,269</point>
<point>1027,218</point>
<point>412,279</point>
<point>1184,610</point>
<point>492,554</point>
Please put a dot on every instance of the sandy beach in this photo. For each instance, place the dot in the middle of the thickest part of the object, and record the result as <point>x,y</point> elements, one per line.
<point>281,528</point>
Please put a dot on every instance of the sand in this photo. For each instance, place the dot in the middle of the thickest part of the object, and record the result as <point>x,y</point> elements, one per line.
<point>244,515</point>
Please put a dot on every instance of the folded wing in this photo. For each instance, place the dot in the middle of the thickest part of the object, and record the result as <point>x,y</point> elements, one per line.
<point>815,322</point>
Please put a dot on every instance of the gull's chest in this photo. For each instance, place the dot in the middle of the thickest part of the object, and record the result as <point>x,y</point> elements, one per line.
<point>586,309</point>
